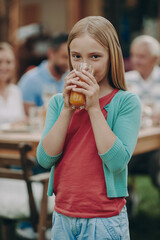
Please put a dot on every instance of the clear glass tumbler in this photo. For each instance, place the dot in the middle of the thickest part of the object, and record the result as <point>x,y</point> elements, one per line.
<point>77,100</point>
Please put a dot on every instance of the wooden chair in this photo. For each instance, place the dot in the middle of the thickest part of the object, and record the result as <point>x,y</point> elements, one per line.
<point>22,194</point>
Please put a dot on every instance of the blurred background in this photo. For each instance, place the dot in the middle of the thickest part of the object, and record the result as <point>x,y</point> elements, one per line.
<point>28,24</point>
<point>23,19</point>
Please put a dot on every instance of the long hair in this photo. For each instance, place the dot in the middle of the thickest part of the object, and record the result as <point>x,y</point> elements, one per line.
<point>4,46</point>
<point>100,29</point>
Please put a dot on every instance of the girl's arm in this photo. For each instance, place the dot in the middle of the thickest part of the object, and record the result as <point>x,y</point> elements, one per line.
<point>58,117</point>
<point>125,128</point>
<point>116,146</point>
<point>53,142</point>
<point>104,136</point>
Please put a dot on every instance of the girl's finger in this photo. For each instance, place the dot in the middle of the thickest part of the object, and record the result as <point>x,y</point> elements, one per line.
<point>70,75</point>
<point>89,75</point>
<point>85,88</point>
<point>72,81</point>
<point>86,92</point>
<point>71,87</point>
<point>81,84</point>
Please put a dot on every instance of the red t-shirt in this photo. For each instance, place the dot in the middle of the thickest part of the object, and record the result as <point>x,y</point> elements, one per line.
<point>79,182</point>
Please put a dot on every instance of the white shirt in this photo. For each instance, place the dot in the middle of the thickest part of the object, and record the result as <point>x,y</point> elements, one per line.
<point>149,89</point>
<point>11,110</point>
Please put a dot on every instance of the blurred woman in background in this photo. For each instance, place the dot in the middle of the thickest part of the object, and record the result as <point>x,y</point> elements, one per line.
<point>11,105</point>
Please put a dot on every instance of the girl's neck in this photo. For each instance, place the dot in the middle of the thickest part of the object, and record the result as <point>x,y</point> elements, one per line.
<point>105,89</point>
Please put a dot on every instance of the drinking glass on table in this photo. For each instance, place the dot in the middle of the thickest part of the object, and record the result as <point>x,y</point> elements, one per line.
<point>147,111</point>
<point>36,118</point>
<point>48,91</point>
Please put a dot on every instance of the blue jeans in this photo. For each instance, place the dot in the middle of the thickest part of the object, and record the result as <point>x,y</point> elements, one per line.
<point>68,228</point>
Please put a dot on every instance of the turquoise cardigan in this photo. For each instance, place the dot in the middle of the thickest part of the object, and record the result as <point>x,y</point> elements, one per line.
<point>123,117</point>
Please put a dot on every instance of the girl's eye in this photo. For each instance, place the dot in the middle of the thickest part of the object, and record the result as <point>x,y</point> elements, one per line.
<point>76,56</point>
<point>95,56</point>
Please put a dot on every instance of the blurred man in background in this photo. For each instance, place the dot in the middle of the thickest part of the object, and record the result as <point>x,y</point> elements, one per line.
<point>49,73</point>
<point>144,80</point>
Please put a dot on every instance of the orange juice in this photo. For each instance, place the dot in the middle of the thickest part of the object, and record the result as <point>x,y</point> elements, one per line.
<point>77,99</point>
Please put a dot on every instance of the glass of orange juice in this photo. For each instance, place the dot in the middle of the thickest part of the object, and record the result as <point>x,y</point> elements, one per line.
<point>77,100</point>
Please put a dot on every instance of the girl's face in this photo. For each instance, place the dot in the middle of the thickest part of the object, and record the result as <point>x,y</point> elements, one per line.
<point>85,49</point>
<point>7,65</point>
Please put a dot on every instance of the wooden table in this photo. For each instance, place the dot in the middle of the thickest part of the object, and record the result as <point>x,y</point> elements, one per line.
<point>148,140</point>
<point>18,137</point>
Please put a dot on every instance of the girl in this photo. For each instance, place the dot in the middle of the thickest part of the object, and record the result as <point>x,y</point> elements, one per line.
<point>89,149</point>
<point>11,104</point>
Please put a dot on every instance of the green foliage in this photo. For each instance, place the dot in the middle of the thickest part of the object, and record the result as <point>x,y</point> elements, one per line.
<point>146,224</point>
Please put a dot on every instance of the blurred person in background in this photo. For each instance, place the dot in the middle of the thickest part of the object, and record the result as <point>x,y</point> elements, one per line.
<point>31,51</point>
<point>50,72</point>
<point>11,103</point>
<point>144,80</point>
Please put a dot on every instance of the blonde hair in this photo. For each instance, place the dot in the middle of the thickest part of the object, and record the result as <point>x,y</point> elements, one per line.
<point>6,46</point>
<point>103,32</point>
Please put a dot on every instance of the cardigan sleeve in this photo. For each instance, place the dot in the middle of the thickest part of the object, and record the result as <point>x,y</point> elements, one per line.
<point>126,128</point>
<point>53,111</point>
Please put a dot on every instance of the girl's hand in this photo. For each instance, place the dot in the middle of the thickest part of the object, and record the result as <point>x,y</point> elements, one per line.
<point>88,86</point>
<point>69,85</point>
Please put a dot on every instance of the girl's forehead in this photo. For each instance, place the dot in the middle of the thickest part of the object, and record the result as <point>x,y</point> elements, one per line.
<point>83,36</point>
<point>86,40</point>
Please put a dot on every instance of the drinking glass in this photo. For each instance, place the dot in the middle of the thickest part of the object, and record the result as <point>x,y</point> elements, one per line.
<point>48,91</point>
<point>36,118</point>
<point>77,100</point>
<point>147,111</point>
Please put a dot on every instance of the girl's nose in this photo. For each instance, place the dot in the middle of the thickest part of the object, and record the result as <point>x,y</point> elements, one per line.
<point>85,61</point>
